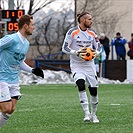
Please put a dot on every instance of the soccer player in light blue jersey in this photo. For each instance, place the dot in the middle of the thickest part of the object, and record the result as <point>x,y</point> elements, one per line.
<point>13,49</point>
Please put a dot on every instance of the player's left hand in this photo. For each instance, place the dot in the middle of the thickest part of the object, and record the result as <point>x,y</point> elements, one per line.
<point>94,53</point>
<point>38,72</point>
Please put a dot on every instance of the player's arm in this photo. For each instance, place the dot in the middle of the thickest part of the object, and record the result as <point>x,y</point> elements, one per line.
<point>25,67</point>
<point>6,42</point>
<point>66,46</point>
<point>37,71</point>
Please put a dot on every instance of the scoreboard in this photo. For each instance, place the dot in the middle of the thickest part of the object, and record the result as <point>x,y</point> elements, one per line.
<point>11,17</point>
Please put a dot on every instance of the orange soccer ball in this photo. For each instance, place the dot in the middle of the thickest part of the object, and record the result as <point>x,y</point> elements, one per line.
<point>90,54</point>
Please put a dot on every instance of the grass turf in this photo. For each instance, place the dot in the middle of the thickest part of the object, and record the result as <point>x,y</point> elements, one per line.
<point>56,109</point>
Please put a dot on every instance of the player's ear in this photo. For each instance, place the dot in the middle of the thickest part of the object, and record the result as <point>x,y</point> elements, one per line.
<point>25,26</point>
<point>82,19</point>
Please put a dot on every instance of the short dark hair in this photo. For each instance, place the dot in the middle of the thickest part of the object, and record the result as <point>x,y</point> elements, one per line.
<point>118,33</point>
<point>81,15</point>
<point>131,34</point>
<point>25,19</point>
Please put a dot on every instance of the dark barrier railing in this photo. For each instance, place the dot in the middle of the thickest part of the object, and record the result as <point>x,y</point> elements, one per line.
<point>58,65</point>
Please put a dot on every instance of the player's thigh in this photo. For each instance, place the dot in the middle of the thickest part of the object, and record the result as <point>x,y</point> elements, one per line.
<point>92,80</point>
<point>15,91</point>
<point>78,75</point>
<point>15,94</point>
<point>4,92</point>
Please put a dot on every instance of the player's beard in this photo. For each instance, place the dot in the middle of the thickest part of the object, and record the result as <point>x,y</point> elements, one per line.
<point>87,26</point>
<point>27,32</point>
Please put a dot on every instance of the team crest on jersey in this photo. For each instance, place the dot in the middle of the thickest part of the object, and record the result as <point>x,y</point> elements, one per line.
<point>89,37</point>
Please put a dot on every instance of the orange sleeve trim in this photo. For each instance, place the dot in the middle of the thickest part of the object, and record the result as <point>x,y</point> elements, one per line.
<point>75,33</point>
<point>92,33</point>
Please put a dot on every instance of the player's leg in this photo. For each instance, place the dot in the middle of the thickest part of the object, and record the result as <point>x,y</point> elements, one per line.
<point>6,112</point>
<point>83,98</point>
<point>7,108</point>
<point>7,104</point>
<point>93,103</point>
<point>80,82</point>
<point>93,84</point>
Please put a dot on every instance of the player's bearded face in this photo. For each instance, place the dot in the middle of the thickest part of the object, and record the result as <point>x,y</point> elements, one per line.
<point>87,25</point>
<point>28,32</point>
<point>29,29</point>
<point>88,22</point>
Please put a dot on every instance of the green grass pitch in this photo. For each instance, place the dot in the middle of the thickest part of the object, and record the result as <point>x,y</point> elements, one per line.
<point>56,109</point>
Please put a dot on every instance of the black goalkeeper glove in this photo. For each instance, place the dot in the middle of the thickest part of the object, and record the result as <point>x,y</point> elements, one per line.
<point>38,72</point>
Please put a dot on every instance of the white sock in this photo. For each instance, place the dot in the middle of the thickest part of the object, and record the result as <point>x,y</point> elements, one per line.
<point>94,104</point>
<point>3,118</point>
<point>84,102</point>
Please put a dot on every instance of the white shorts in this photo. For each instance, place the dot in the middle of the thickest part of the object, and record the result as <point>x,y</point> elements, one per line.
<point>7,91</point>
<point>87,73</point>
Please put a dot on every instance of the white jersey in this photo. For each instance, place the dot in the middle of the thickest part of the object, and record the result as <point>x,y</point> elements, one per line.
<point>76,39</point>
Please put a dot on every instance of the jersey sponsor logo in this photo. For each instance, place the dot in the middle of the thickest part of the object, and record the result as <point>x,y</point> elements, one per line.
<point>80,45</point>
<point>19,56</point>
<point>86,42</point>
<point>78,41</point>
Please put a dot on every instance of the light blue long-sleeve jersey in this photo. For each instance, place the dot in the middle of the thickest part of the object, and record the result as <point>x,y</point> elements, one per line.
<point>12,52</point>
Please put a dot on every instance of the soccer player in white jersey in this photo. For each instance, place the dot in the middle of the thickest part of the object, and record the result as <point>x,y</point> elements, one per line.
<point>83,72</point>
<point>13,49</point>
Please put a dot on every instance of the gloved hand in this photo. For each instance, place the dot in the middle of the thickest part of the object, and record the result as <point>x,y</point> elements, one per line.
<point>38,72</point>
<point>81,52</point>
<point>94,52</point>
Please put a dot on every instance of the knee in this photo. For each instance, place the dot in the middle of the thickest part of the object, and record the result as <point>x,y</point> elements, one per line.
<point>93,91</point>
<point>81,84</point>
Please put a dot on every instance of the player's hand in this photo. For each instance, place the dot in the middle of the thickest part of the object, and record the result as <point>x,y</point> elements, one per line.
<point>81,52</point>
<point>38,72</point>
<point>94,53</point>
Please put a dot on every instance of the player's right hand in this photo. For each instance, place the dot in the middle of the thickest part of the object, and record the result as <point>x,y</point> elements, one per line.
<point>81,52</point>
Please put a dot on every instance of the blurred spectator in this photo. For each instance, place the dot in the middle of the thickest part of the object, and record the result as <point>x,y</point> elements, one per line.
<point>97,65</point>
<point>130,44</point>
<point>105,42</point>
<point>119,43</point>
<point>98,60</point>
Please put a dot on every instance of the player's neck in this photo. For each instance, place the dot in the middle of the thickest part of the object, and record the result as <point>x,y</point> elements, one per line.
<point>82,28</point>
<point>23,33</point>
